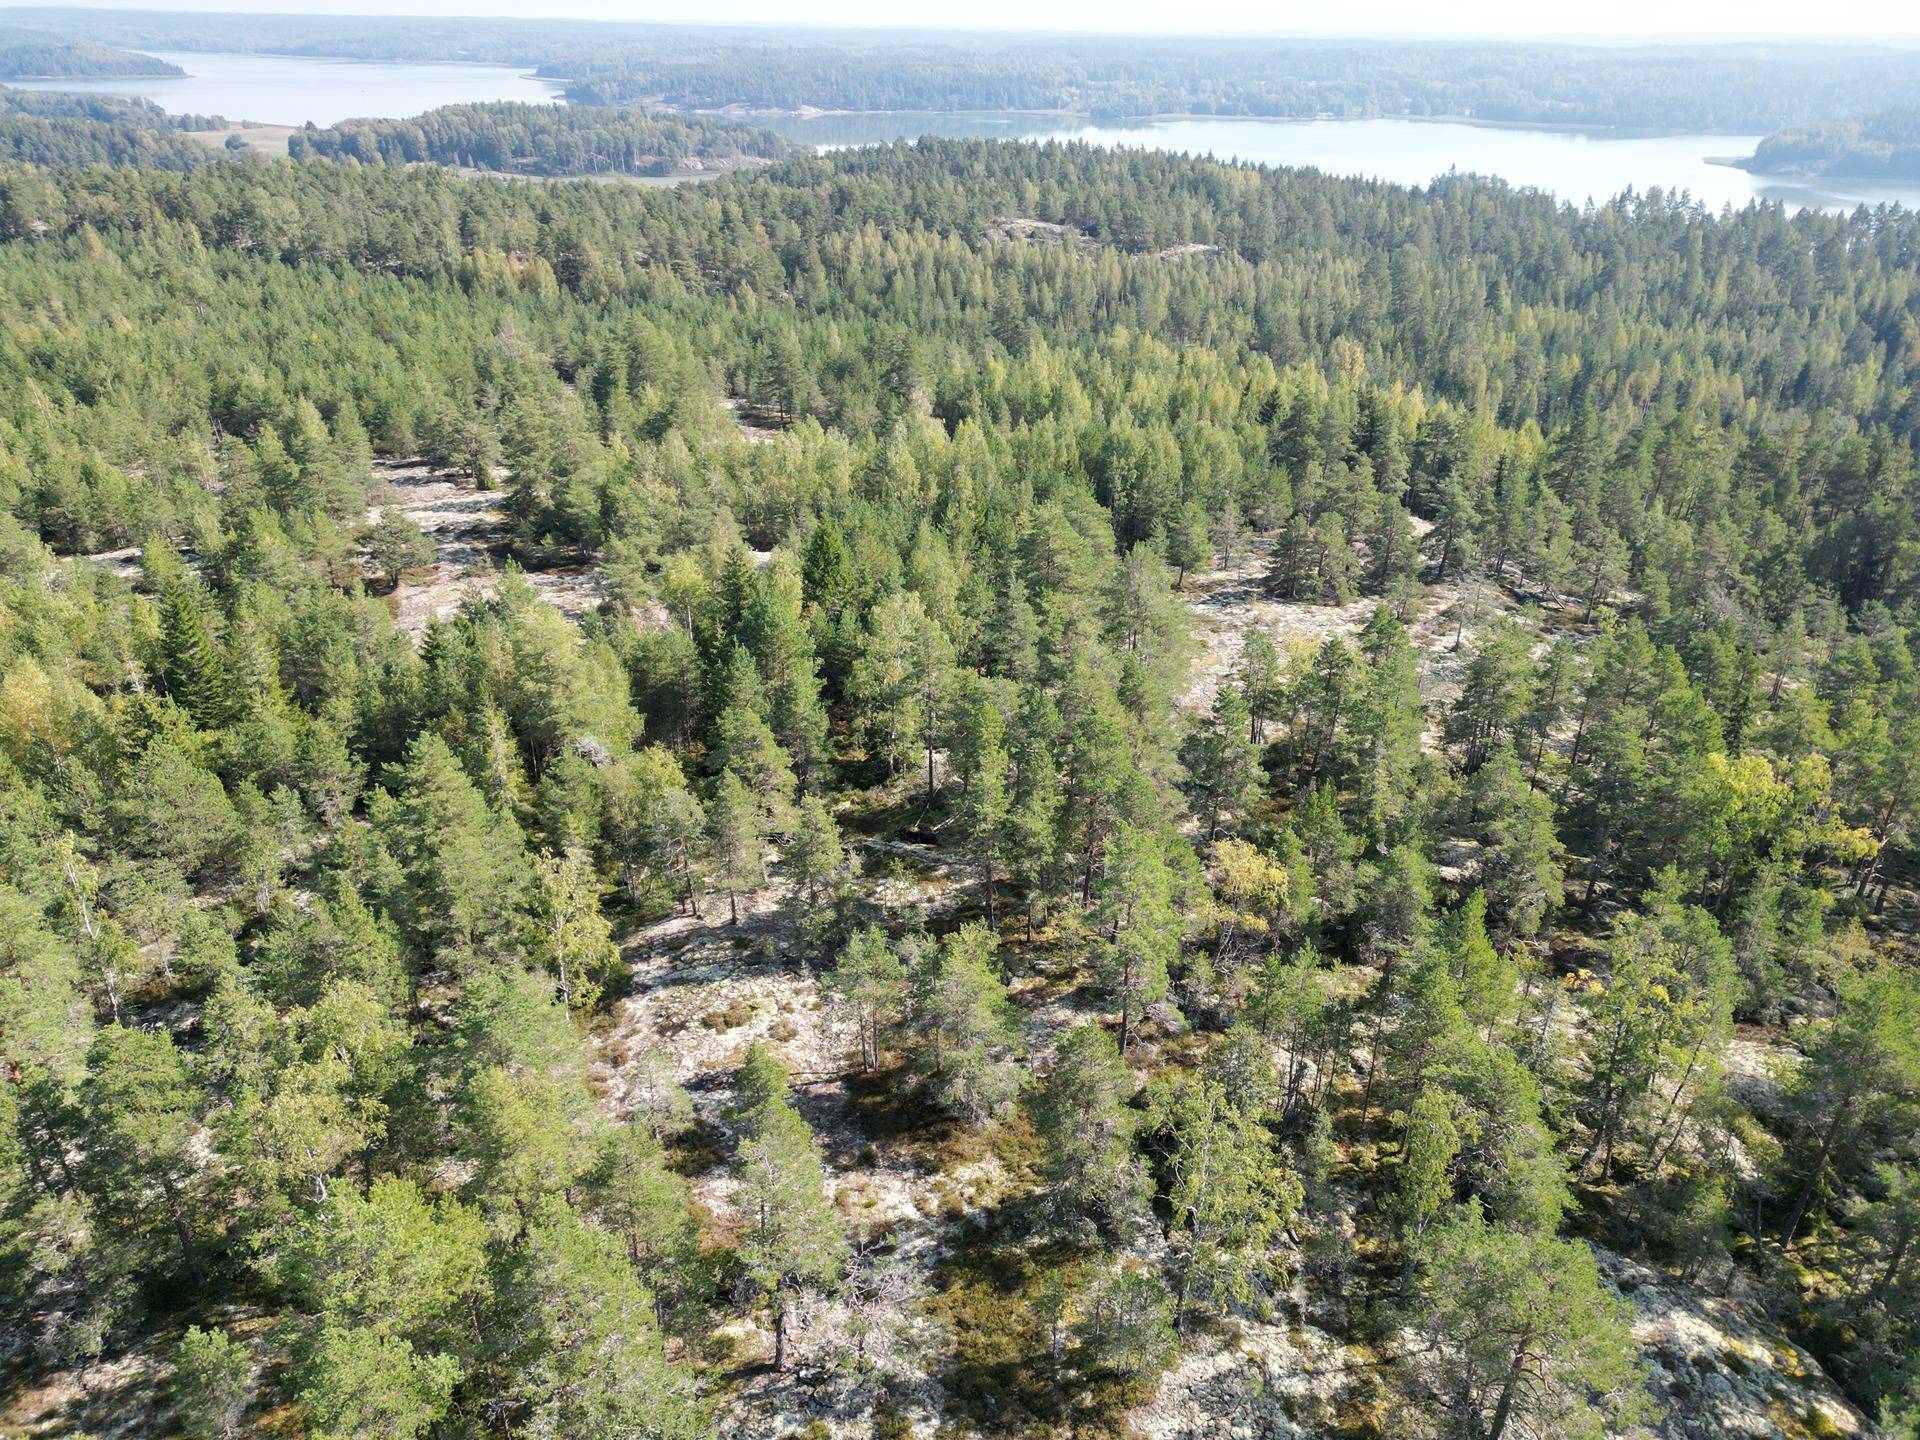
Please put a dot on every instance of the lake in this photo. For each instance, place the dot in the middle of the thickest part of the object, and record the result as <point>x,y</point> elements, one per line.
<point>293,89</point>
<point>1576,165</point>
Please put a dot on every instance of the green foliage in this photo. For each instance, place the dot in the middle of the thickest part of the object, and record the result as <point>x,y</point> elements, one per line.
<point>1126,1324</point>
<point>305,914</point>
<point>1523,1336</point>
<point>211,1377</point>
<point>1137,905</point>
<point>1862,1076</point>
<point>1228,1191</point>
<point>397,545</point>
<point>870,981</point>
<point>965,1039</point>
<point>521,139</point>
<point>794,1239</point>
<point>590,1359</point>
<point>1086,1132</point>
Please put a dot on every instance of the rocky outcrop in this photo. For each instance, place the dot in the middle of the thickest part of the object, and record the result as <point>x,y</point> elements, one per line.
<point>1718,1369</point>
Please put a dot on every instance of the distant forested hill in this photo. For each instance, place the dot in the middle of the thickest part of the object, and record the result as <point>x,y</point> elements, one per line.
<point>32,52</point>
<point>1745,88</point>
<point>545,140</point>
<point>68,140</point>
<point>48,128</point>
<point>1883,145</point>
<point>1725,88</point>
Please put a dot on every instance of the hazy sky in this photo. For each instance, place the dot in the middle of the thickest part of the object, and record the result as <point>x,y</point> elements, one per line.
<point>1700,19</point>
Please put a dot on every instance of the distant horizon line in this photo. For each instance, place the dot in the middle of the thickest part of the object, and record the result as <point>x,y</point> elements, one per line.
<point>1597,40</point>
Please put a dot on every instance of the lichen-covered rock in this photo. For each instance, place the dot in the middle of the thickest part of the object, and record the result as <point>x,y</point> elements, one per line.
<point>1718,1369</point>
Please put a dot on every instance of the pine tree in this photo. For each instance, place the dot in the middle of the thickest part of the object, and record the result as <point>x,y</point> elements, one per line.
<point>816,860</point>
<point>965,1038</point>
<point>1189,545</point>
<point>1258,678</point>
<point>397,545</point>
<point>1862,1072</point>
<point>462,868</point>
<point>387,1282</point>
<point>1086,1132</point>
<point>141,1104</point>
<point>1486,982</point>
<point>738,841</point>
<point>1223,766</point>
<point>1658,1024</point>
<point>1522,1336</point>
<point>191,667</point>
<point>1424,1186</point>
<point>1126,1323</point>
<point>985,805</point>
<point>584,1349</point>
<point>1521,873</point>
<point>793,1239</point>
<point>573,939</point>
<point>1229,1194</point>
<point>1034,852</point>
<point>871,982</point>
<point>1143,927</point>
<point>211,1380</point>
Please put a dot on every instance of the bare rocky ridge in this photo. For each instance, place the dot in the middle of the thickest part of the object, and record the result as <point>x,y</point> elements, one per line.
<point>1007,228</point>
<point>704,991</point>
<point>1229,602</point>
<point>468,532</point>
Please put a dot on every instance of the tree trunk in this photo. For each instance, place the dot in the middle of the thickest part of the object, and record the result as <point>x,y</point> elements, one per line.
<point>1659,1150</point>
<point>1819,1167</point>
<point>181,1233</point>
<point>1503,1411</point>
<point>780,1334</point>
<point>1892,1268</point>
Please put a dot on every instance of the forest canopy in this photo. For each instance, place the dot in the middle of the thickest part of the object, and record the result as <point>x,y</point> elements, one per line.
<point>549,140</point>
<point>1749,88</point>
<point>916,784</point>
<point>1884,145</point>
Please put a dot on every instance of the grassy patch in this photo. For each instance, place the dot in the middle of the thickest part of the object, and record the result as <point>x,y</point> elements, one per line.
<point>893,1113</point>
<point>731,1016</point>
<point>1004,1374</point>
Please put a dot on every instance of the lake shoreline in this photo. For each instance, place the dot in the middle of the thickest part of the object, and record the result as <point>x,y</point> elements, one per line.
<point>1573,163</point>
<point>1481,122</point>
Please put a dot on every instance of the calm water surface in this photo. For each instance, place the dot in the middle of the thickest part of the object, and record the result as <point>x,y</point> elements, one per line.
<point>293,89</point>
<point>1575,165</point>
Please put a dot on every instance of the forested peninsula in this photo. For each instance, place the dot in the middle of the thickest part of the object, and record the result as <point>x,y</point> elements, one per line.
<point>27,53</point>
<point>1883,146</point>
